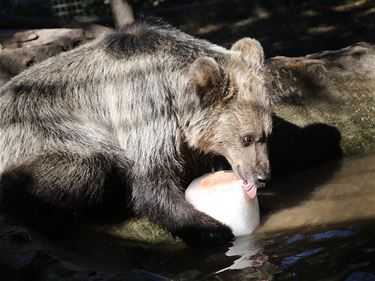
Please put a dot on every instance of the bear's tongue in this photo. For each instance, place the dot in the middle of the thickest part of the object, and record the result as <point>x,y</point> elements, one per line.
<point>251,190</point>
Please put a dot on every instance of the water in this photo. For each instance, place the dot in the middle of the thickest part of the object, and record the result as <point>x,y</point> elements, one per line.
<point>316,225</point>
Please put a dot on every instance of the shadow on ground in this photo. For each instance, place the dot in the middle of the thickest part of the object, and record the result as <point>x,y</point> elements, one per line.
<point>295,28</point>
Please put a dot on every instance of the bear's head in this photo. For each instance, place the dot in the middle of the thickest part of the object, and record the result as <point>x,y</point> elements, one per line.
<point>234,109</point>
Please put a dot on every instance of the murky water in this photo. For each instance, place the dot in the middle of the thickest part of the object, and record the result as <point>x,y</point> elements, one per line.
<point>317,225</point>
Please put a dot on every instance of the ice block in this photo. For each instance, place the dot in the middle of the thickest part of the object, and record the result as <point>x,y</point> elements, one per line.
<point>226,198</point>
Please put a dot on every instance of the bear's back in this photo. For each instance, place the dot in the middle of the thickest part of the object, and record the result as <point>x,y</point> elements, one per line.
<point>156,38</point>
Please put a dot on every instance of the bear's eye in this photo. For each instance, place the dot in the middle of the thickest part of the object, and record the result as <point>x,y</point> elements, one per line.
<point>247,140</point>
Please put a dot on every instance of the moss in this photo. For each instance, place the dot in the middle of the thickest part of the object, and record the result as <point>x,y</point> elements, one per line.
<point>358,142</point>
<point>140,230</point>
<point>144,230</point>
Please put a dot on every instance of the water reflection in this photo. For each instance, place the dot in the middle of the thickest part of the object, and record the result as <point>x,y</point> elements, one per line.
<point>245,248</point>
<point>291,260</point>
<point>361,276</point>
<point>250,262</point>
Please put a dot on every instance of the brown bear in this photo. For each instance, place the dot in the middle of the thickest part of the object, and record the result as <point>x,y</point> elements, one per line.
<point>130,119</point>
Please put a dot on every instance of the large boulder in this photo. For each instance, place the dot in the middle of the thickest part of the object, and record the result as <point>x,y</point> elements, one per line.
<point>22,257</point>
<point>324,106</point>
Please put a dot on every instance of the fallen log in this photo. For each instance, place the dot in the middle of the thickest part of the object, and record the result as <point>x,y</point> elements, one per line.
<point>19,50</point>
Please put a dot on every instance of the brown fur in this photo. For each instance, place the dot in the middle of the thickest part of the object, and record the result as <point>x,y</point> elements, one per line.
<point>125,121</point>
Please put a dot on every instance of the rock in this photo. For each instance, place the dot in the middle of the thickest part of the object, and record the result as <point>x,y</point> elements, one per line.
<point>23,258</point>
<point>324,106</point>
<point>141,275</point>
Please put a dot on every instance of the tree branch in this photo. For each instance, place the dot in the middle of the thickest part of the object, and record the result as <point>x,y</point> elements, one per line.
<point>122,13</point>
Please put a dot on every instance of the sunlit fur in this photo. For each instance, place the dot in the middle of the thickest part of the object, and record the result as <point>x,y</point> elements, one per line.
<point>244,110</point>
<point>123,113</point>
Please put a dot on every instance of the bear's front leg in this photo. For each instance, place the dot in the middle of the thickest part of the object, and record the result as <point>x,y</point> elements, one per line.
<point>162,202</point>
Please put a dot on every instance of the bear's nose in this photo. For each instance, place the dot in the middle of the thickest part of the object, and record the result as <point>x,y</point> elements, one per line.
<point>263,177</point>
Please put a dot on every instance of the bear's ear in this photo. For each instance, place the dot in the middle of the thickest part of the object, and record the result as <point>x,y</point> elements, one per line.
<point>250,49</point>
<point>207,80</point>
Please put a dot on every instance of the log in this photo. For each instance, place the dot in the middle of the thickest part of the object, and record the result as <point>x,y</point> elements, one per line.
<point>21,49</point>
<point>19,22</point>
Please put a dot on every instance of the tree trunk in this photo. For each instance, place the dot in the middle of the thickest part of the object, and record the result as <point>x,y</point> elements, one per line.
<point>122,13</point>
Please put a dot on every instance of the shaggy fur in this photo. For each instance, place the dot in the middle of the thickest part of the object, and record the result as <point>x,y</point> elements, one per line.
<point>135,112</point>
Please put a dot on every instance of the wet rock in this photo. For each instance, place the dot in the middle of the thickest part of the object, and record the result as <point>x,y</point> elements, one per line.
<point>141,275</point>
<point>23,258</point>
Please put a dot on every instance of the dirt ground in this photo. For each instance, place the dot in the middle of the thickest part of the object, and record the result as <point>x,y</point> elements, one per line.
<point>284,27</point>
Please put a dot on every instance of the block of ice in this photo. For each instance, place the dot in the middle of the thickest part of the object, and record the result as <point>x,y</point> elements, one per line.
<point>224,197</point>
